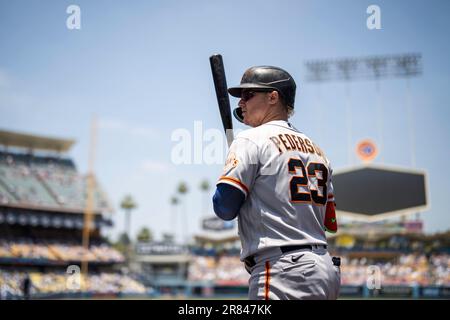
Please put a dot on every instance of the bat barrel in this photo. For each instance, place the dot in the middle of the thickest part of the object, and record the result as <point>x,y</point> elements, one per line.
<point>220,84</point>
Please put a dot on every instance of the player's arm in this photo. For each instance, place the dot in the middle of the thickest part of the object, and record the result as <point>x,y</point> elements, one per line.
<point>237,178</point>
<point>227,201</point>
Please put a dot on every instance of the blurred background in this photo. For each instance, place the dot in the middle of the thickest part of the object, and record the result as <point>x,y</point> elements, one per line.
<point>111,142</point>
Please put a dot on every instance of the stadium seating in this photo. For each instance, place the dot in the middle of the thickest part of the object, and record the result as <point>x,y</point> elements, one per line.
<point>51,283</point>
<point>223,270</point>
<point>23,185</point>
<point>409,269</point>
<point>44,198</point>
<point>59,252</point>
<point>44,181</point>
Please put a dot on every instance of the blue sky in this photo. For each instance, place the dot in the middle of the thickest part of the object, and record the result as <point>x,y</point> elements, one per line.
<point>142,68</point>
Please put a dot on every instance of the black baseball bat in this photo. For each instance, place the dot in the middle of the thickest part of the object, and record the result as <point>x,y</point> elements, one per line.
<point>220,83</point>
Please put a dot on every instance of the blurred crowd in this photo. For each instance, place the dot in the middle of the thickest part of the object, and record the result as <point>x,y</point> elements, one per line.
<point>220,270</point>
<point>59,252</point>
<point>44,181</point>
<point>50,283</point>
<point>409,269</point>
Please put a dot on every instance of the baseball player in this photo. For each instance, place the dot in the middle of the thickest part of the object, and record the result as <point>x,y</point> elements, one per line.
<point>277,181</point>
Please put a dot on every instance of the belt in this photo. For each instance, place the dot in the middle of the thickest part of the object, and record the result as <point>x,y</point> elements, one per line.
<point>250,260</point>
<point>286,249</point>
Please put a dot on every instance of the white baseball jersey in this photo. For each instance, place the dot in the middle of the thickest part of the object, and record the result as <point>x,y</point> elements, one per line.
<point>286,180</point>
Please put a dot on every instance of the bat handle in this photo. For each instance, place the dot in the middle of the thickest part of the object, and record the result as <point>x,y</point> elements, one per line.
<point>230,136</point>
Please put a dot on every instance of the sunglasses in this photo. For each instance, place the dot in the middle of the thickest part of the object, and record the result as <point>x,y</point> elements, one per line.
<point>247,95</point>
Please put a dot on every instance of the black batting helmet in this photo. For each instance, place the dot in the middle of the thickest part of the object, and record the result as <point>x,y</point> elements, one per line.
<point>265,77</point>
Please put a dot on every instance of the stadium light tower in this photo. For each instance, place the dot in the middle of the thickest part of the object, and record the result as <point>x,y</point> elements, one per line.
<point>128,204</point>
<point>369,68</point>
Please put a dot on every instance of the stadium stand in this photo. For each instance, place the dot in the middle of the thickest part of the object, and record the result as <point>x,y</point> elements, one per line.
<point>58,252</point>
<point>225,270</point>
<point>42,204</point>
<point>405,270</point>
<point>44,284</point>
<point>407,264</point>
<point>44,181</point>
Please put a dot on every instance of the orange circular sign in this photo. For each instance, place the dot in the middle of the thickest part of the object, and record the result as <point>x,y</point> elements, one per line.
<point>366,150</point>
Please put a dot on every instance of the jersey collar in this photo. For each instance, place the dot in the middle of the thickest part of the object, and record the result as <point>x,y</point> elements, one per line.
<point>283,123</point>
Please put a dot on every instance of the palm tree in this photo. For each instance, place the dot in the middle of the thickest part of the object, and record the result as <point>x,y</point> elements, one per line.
<point>128,205</point>
<point>182,190</point>
<point>204,187</point>
<point>144,235</point>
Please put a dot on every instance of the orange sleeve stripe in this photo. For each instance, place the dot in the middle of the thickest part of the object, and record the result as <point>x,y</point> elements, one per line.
<point>267,281</point>
<point>243,186</point>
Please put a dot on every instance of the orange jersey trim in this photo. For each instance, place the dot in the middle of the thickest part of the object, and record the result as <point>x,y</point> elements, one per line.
<point>267,282</point>
<point>237,181</point>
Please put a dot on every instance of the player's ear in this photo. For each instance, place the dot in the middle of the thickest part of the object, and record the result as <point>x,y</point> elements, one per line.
<point>274,96</point>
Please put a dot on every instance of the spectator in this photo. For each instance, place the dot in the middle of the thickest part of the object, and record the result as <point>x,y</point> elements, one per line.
<point>26,286</point>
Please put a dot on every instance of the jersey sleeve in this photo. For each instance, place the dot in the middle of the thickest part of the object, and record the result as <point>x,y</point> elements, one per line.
<point>241,165</point>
